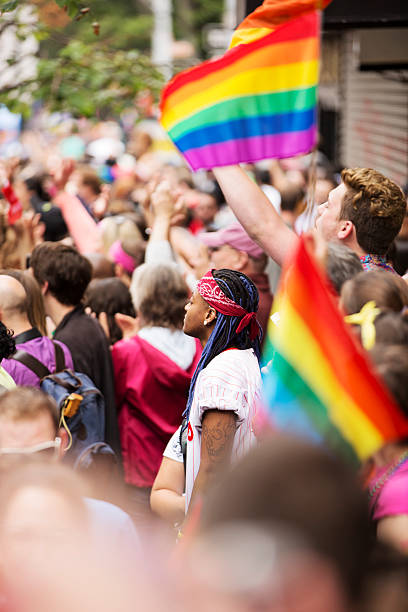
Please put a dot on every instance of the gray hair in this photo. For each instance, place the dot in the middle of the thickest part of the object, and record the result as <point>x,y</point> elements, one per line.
<point>341,265</point>
<point>159,294</point>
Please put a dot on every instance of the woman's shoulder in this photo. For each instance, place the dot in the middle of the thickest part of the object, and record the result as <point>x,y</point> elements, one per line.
<point>234,362</point>
<point>234,355</point>
<point>127,346</point>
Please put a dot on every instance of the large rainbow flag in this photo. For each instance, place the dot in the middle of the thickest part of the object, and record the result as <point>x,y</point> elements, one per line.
<point>258,101</point>
<point>319,381</point>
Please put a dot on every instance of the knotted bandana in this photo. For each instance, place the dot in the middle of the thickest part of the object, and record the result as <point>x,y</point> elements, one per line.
<point>211,292</point>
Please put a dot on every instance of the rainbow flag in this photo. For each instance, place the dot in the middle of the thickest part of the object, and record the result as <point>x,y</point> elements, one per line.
<point>319,382</point>
<point>258,101</point>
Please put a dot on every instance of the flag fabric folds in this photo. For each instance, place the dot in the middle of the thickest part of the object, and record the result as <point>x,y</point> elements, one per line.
<point>257,101</point>
<point>319,382</point>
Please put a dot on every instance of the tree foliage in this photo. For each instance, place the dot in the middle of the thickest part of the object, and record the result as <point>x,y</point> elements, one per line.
<point>93,56</point>
<point>123,24</point>
<point>82,70</point>
<point>72,7</point>
<point>87,80</point>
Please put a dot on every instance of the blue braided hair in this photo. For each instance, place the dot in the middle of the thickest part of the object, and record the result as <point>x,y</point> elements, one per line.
<point>239,288</point>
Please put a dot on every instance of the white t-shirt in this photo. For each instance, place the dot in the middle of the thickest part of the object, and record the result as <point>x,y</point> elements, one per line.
<point>231,381</point>
<point>173,449</point>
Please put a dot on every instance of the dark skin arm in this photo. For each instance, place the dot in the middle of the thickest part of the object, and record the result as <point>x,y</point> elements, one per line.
<point>217,438</point>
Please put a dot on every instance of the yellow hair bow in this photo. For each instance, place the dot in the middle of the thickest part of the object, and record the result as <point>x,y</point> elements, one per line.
<point>365,318</point>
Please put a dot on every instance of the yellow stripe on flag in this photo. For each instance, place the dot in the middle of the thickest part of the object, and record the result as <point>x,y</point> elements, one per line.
<point>288,337</point>
<point>248,35</point>
<point>251,82</point>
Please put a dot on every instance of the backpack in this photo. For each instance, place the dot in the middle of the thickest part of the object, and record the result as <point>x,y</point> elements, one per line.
<point>81,405</point>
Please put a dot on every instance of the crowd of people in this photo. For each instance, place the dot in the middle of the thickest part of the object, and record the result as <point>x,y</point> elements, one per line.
<point>136,464</point>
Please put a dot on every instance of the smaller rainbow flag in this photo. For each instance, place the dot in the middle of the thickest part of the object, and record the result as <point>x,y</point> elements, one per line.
<point>258,101</point>
<point>320,383</point>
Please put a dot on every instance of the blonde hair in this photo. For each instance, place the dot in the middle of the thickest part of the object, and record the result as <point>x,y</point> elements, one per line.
<point>26,403</point>
<point>35,301</point>
<point>120,228</point>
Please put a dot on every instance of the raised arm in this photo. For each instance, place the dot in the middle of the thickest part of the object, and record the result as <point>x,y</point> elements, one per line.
<point>255,212</point>
<point>82,228</point>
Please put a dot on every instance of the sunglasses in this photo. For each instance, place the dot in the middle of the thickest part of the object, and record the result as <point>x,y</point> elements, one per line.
<point>51,449</point>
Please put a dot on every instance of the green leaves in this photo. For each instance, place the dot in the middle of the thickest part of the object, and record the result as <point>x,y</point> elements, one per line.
<point>71,6</point>
<point>79,72</point>
<point>90,80</point>
<point>8,6</point>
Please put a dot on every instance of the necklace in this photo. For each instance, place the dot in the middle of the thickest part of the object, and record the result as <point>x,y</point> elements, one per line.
<point>391,470</point>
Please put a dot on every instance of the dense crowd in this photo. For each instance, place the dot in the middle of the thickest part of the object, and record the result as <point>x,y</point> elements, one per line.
<point>137,465</point>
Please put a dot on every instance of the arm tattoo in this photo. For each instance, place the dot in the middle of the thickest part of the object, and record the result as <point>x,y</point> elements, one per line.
<point>218,437</point>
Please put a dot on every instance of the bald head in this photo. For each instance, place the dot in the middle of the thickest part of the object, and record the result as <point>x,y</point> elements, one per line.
<point>13,298</point>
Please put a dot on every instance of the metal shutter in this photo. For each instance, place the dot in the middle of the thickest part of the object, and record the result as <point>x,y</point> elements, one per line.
<point>374,115</point>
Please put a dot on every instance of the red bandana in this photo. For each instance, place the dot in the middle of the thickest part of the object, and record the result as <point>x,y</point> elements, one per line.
<point>211,292</point>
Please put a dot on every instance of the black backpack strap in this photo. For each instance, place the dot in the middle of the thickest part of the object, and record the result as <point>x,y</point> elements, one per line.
<point>59,357</point>
<point>31,363</point>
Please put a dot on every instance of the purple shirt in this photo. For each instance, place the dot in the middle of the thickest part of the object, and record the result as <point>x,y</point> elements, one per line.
<point>42,348</point>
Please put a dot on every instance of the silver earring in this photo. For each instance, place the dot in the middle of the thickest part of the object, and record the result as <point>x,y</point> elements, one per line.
<point>205,322</point>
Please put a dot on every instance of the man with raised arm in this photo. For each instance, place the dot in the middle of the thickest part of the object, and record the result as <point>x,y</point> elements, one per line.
<point>365,213</point>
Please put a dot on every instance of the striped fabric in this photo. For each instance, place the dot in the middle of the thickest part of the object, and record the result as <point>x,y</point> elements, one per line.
<point>259,100</point>
<point>320,382</point>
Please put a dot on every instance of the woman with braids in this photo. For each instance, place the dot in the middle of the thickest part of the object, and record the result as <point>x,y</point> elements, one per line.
<point>225,385</point>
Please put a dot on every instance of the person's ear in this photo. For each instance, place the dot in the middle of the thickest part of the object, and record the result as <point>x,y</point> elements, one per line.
<point>121,273</point>
<point>242,261</point>
<point>44,288</point>
<point>345,230</point>
<point>62,433</point>
<point>210,316</point>
<point>118,270</point>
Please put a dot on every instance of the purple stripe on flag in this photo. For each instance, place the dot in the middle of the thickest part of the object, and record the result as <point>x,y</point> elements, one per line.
<point>252,149</point>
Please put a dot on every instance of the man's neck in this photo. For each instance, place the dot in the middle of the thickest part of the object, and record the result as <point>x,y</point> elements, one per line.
<point>360,252</point>
<point>18,324</point>
<point>354,246</point>
<point>56,310</point>
<point>388,453</point>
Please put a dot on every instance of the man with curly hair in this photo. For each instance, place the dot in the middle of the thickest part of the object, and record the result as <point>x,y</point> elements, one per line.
<point>365,213</point>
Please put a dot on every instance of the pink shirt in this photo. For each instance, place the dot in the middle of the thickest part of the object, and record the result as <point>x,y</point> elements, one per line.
<point>81,226</point>
<point>393,496</point>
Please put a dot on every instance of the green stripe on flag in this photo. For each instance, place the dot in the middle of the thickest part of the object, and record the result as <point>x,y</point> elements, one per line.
<point>247,106</point>
<point>309,403</point>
